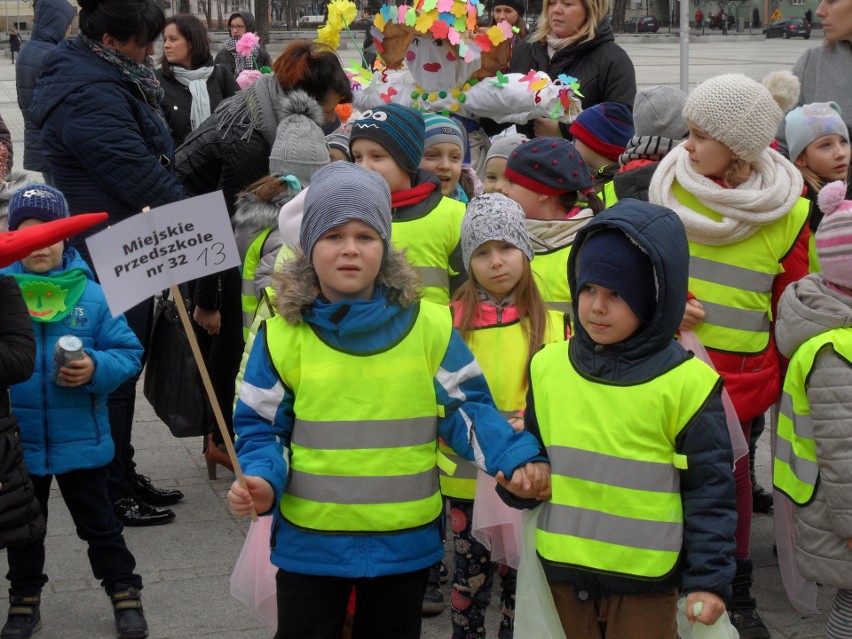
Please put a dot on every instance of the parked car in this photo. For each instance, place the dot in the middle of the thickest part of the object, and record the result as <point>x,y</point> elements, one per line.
<point>788,28</point>
<point>641,24</point>
<point>311,22</point>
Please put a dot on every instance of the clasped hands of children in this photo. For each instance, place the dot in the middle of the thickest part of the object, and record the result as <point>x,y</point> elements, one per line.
<point>530,481</point>
<point>78,372</point>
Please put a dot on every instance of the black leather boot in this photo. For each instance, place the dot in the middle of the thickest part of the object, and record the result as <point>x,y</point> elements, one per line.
<point>742,607</point>
<point>24,617</point>
<point>146,491</point>
<point>433,599</point>
<point>129,617</point>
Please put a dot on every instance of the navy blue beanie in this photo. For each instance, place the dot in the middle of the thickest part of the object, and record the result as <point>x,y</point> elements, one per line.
<point>36,201</point>
<point>611,259</point>
<point>605,128</point>
<point>399,129</point>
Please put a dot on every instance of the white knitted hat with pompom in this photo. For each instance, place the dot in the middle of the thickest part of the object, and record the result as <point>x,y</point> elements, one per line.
<point>741,113</point>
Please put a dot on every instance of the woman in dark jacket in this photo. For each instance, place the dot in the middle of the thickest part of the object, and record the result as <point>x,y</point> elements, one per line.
<point>193,86</point>
<point>230,151</point>
<point>108,148</point>
<point>239,24</point>
<point>20,515</point>
<point>575,38</point>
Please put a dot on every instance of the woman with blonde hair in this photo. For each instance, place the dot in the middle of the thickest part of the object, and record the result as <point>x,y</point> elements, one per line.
<point>575,38</point>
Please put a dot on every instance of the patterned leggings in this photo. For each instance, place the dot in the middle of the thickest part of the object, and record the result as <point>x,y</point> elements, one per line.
<point>839,624</point>
<point>473,575</point>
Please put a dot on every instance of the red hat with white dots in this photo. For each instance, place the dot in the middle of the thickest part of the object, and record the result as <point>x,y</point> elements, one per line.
<point>549,166</point>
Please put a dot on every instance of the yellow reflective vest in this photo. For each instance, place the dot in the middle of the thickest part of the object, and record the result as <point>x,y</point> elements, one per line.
<point>363,450</point>
<point>616,503</point>
<point>733,282</point>
<point>551,276</point>
<point>796,472</point>
<point>248,298</point>
<point>501,350</point>
<point>429,241</point>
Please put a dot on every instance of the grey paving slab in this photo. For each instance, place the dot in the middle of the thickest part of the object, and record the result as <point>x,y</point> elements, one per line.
<point>186,565</point>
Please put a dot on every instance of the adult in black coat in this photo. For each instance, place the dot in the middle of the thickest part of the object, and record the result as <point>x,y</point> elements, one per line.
<point>576,39</point>
<point>193,86</point>
<point>239,24</point>
<point>20,516</point>
<point>50,23</point>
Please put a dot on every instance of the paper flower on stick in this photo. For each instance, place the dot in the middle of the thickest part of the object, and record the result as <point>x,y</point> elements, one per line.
<point>246,44</point>
<point>341,13</point>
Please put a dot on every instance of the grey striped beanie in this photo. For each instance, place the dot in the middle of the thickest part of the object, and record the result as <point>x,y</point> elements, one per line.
<point>341,192</point>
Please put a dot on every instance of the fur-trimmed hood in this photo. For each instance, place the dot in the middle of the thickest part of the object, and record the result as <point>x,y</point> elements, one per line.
<point>297,287</point>
<point>256,213</point>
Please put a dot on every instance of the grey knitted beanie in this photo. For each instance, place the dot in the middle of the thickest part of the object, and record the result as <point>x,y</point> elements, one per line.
<point>658,111</point>
<point>300,147</point>
<point>493,216</point>
<point>741,113</point>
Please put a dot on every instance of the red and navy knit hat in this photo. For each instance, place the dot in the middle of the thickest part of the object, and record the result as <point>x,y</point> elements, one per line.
<point>549,166</point>
<point>605,128</point>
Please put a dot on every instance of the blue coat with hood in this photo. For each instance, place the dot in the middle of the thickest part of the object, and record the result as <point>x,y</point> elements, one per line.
<point>264,420</point>
<point>707,485</point>
<point>50,22</point>
<point>106,147</point>
<point>67,428</point>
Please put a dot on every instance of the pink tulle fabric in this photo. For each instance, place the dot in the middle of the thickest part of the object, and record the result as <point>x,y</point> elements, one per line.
<point>495,525</point>
<point>253,579</point>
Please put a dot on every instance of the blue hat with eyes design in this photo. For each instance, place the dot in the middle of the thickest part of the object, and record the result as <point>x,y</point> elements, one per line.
<point>399,129</point>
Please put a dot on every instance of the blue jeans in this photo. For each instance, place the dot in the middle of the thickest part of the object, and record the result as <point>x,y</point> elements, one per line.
<point>85,495</point>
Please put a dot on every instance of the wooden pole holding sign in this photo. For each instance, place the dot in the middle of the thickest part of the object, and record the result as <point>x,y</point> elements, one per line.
<point>208,384</point>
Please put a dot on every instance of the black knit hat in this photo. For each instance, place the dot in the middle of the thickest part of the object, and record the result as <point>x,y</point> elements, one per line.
<point>517,6</point>
<point>399,129</point>
<point>549,166</point>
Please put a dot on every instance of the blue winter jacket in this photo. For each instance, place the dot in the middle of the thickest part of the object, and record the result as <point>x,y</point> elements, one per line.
<point>65,429</point>
<point>106,147</point>
<point>50,23</point>
<point>471,420</point>
<point>707,485</point>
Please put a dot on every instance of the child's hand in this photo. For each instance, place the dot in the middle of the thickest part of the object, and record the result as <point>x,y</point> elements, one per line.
<point>210,321</point>
<point>546,128</point>
<point>531,481</point>
<point>517,423</point>
<point>259,495</point>
<point>692,316</point>
<point>711,607</point>
<point>78,372</point>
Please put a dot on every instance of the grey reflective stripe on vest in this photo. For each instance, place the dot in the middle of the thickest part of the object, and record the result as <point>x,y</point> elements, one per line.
<point>363,490</point>
<point>378,433</point>
<point>614,471</point>
<point>562,307</point>
<point>612,529</point>
<point>433,276</point>
<point>248,288</point>
<point>805,469</point>
<point>508,414</point>
<point>729,275</point>
<point>465,469</point>
<point>736,318</point>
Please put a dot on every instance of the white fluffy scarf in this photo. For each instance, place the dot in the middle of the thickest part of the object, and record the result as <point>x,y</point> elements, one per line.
<point>772,188</point>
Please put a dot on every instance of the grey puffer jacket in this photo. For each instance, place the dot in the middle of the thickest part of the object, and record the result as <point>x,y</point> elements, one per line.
<point>823,527</point>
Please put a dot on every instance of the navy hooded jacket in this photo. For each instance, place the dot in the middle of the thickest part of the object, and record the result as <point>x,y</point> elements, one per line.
<point>707,485</point>
<point>50,23</point>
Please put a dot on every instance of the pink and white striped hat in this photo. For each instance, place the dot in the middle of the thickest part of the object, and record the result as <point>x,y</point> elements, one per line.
<point>833,238</point>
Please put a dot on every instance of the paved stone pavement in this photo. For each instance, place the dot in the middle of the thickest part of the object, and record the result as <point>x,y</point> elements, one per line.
<point>186,564</point>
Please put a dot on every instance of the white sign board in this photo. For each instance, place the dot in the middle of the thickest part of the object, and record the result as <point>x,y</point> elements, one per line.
<point>163,247</point>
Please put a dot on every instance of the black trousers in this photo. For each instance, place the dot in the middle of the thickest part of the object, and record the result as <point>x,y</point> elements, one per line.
<point>85,494</point>
<point>313,607</point>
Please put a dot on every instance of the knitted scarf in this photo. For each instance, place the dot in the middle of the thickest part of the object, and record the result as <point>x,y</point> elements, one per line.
<point>196,81</point>
<point>140,73</point>
<point>770,191</point>
<point>549,235</point>
<point>241,62</point>
<point>258,107</point>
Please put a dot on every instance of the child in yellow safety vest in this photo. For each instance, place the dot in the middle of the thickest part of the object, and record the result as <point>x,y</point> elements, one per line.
<point>813,445</point>
<point>643,502</point>
<point>345,394</point>
<point>500,315</point>
<point>746,222</point>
